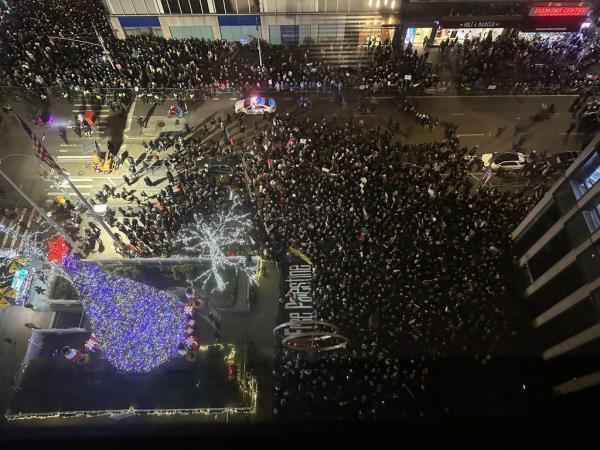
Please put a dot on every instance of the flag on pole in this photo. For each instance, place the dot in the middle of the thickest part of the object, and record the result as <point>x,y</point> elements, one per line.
<point>40,150</point>
<point>485,176</point>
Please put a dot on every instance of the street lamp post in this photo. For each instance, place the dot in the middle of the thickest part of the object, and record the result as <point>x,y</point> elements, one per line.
<point>35,206</point>
<point>259,49</point>
<point>101,44</point>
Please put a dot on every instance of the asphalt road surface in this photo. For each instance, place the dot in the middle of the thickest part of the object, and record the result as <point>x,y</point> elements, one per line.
<point>477,117</point>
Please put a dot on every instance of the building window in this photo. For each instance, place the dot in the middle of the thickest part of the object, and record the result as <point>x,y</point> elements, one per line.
<point>591,214</point>
<point>586,175</point>
<point>230,7</point>
<point>196,6</point>
<point>174,7</point>
<point>165,5</point>
<point>185,7</point>
<point>254,6</point>
<point>242,7</point>
<point>219,7</point>
<point>589,261</point>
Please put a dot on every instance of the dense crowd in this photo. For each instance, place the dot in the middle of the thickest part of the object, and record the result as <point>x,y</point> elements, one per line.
<point>412,259</point>
<point>414,244</point>
<point>37,55</point>
<point>522,64</point>
<point>37,58</point>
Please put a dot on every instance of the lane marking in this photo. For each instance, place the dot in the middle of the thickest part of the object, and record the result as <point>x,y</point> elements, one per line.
<point>572,134</point>
<point>69,145</point>
<point>457,114</point>
<point>74,157</point>
<point>84,186</point>
<point>80,179</point>
<point>470,135</point>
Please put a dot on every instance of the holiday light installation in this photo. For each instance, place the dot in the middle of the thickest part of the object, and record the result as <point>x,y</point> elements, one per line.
<point>211,240</point>
<point>137,327</point>
<point>31,248</point>
<point>247,383</point>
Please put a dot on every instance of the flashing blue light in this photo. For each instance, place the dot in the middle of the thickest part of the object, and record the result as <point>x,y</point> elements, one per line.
<point>259,100</point>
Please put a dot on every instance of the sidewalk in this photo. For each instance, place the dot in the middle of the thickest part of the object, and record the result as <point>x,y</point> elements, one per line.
<point>12,326</point>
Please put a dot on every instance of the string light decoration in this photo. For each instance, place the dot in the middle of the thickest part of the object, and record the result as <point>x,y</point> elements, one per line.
<point>248,385</point>
<point>32,247</point>
<point>211,240</point>
<point>137,326</point>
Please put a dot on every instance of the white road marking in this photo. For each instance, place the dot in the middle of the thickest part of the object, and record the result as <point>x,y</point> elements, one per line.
<point>69,145</point>
<point>80,179</point>
<point>83,186</point>
<point>457,114</point>
<point>74,157</point>
<point>470,135</point>
<point>215,98</point>
<point>51,194</point>
<point>63,150</point>
<point>572,134</point>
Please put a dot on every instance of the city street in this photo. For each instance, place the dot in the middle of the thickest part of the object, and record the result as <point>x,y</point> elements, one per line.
<point>477,117</point>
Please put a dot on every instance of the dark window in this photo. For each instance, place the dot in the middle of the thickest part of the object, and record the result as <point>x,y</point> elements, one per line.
<point>196,7</point>
<point>577,229</point>
<point>174,6</point>
<point>185,7</point>
<point>205,6</point>
<point>230,7</point>
<point>219,7</point>
<point>553,291</point>
<point>536,228</point>
<point>572,321</point>
<point>590,262</point>
<point>165,5</point>
<point>564,197</point>
<point>549,254</point>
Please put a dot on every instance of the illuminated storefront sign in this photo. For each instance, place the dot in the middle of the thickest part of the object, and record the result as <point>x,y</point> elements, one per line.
<point>559,11</point>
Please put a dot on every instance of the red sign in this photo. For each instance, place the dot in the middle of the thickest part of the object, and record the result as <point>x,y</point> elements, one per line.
<point>559,11</point>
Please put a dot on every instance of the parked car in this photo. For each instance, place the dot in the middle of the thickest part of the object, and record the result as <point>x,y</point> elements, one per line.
<point>255,105</point>
<point>561,160</point>
<point>504,161</point>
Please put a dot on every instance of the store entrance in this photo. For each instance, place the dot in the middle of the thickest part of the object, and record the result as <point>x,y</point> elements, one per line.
<point>466,33</point>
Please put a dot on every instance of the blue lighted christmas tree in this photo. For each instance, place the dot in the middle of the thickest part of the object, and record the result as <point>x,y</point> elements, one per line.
<point>138,327</point>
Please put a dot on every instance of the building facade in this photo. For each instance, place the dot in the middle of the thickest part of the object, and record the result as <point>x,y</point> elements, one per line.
<point>275,21</point>
<point>558,249</point>
<point>353,22</point>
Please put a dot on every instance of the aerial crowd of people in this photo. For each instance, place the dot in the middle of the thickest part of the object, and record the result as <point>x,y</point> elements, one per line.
<point>412,258</point>
<point>58,48</point>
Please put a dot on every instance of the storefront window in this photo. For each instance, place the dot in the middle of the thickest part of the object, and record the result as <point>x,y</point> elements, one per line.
<point>417,37</point>
<point>466,33</point>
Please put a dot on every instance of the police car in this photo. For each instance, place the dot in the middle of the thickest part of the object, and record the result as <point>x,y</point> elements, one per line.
<point>255,105</point>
